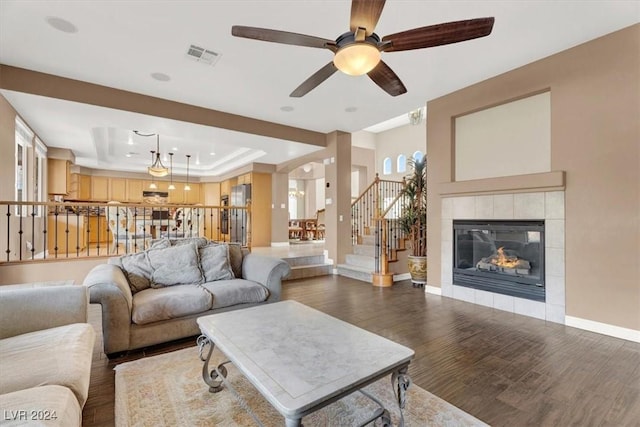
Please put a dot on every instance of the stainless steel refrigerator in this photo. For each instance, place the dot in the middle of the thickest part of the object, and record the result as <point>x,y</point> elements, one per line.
<point>238,218</point>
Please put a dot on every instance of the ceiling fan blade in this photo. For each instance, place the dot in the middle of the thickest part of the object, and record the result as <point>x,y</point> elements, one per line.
<point>284,37</point>
<point>440,34</point>
<point>312,82</point>
<point>365,14</point>
<point>384,77</point>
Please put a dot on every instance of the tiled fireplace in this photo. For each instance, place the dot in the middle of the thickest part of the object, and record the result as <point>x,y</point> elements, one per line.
<point>504,212</point>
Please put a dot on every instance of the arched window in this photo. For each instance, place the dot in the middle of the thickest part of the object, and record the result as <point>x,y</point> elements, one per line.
<point>418,155</point>
<point>386,166</point>
<point>401,163</point>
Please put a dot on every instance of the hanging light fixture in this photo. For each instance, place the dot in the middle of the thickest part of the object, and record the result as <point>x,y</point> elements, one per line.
<point>187,187</point>
<point>157,168</point>
<point>171,186</point>
<point>153,185</point>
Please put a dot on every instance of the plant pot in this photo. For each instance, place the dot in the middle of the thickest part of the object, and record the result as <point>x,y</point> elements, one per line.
<point>418,269</point>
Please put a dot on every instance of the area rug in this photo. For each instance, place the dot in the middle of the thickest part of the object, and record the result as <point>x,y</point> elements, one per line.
<point>168,390</point>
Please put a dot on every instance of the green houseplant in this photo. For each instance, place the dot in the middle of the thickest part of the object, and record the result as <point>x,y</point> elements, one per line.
<point>413,219</point>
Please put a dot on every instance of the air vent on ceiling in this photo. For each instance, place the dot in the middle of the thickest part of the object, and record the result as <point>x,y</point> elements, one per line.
<point>203,55</point>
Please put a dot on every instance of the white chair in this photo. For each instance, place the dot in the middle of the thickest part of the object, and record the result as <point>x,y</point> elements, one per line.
<point>122,225</point>
<point>189,222</point>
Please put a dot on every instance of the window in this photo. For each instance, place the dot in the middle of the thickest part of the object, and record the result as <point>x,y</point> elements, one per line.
<point>386,166</point>
<point>401,163</point>
<point>23,137</point>
<point>418,155</point>
<point>38,174</point>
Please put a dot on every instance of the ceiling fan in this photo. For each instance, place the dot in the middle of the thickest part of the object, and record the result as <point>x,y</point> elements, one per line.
<point>357,51</point>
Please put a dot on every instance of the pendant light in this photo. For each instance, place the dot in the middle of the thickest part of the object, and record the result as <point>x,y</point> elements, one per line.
<point>153,185</point>
<point>186,187</point>
<point>157,168</point>
<point>171,186</point>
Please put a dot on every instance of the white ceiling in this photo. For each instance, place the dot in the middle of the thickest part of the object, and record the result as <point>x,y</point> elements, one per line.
<point>120,44</point>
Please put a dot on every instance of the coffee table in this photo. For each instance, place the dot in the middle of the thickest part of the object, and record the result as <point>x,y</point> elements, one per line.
<point>301,359</point>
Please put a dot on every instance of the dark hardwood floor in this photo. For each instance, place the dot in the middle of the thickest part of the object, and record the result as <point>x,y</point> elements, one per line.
<point>503,368</point>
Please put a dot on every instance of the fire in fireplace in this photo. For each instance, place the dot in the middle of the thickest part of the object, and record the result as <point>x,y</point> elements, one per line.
<point>505,257</point>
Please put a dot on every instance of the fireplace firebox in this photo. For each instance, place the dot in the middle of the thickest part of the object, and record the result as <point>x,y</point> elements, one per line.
<point>505,257</point>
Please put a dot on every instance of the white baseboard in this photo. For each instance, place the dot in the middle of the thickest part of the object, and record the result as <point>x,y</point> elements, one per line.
<point>432,290</point>
<point>278,244</point>
<point>603,328</point>
<point>401,276</point>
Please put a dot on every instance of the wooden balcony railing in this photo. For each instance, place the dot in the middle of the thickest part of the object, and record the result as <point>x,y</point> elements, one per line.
<point>49,231</point>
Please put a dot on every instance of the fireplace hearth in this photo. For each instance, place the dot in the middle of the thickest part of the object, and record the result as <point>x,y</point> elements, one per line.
<point>505,257</point>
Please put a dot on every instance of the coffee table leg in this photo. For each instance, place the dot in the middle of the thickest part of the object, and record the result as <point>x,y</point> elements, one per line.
<point>293,422</point>
<point>400,381</point>
<point>209,376</point>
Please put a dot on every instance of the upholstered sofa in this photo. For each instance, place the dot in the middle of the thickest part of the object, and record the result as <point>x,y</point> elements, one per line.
<point>155,296</point>
<point>46,348</point>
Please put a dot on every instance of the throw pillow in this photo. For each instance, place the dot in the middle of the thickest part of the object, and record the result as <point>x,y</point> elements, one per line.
<point>138,271</point>
<point>176,265</point>
<point>214,260</point>
<point>235,257</point>
<point>200,241</point>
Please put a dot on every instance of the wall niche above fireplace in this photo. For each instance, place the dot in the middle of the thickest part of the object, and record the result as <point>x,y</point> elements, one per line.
<point>505,257</point>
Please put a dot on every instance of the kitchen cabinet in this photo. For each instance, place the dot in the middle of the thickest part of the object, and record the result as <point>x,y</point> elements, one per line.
<point>100,188</point>
<point>80,188</point>
<point>99,230</point>
<point>118,189</point>
<point>261,209</point>
<point>66,234</point>
<point>58,176</point>
<point>244,179</point>
<point>134,190</point>
<point>193,196</point>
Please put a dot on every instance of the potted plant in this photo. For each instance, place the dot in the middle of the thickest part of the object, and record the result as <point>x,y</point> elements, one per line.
<point>413,219</point>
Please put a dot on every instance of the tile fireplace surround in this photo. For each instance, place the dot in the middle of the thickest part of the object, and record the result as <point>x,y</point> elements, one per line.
<point>547,206</point>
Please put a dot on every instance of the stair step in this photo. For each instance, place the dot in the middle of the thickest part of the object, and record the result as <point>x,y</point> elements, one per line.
<point>362,261</point>
<point>310,270</point>
<point>368,239</point>
<point>305,260</point>
<point>355,272</point>
<point>367,250</point>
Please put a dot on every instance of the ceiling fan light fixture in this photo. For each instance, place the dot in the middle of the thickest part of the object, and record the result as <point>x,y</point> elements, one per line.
<point>357,58</point>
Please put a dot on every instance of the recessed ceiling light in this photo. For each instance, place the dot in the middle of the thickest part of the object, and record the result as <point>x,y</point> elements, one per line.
<point>351,109</point>
<point>175,148</point>
<point>161,77</point>
<point>287,108</point>
<point>61,24</point>
<point>212,153</point>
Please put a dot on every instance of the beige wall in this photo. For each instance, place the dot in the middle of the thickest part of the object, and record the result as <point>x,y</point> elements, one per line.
<point>505,140</point>
<point>401,140</point>
<point>595,139</point>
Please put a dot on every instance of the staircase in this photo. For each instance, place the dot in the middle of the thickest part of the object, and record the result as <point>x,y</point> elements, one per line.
<point>304,266</point>
<point>376,233</point>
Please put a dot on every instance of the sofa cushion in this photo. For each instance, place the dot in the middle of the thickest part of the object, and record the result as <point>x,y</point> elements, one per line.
<point>236,291</point>
<point>49,405</point>
<point>55,356</point>
<point>214,261</point>
<point>176,265</point>
<point>200,241</point>
<point>152,305</point>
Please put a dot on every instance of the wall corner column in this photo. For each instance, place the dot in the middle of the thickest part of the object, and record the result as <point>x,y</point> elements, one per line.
<point>337,195</point>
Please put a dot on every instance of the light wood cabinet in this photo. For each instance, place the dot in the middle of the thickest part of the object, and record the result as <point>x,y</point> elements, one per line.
<point>193,196</point>
<point>100,188</point>
<point>80,188</point>
<point>134,190</point>
<point>244,179</point>
<point>66,234</point>
<point>99,230</point>
<point>225,188</point>
<point>58,176</point>
<point>118,189</point>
